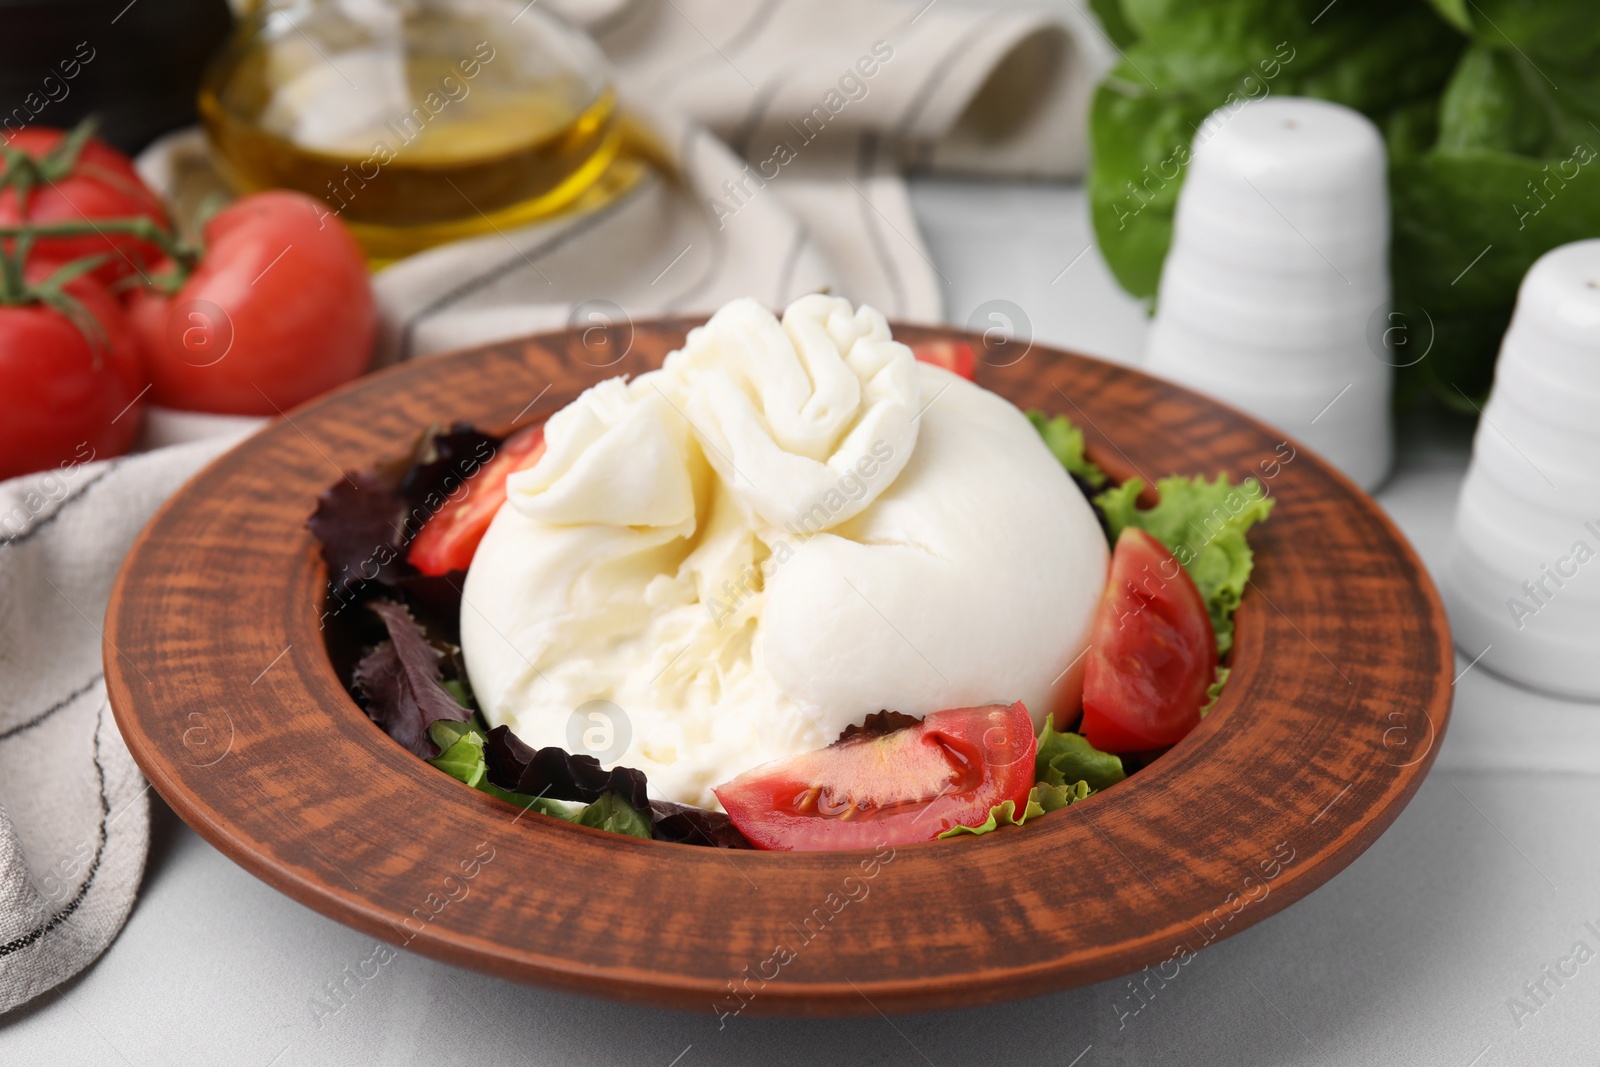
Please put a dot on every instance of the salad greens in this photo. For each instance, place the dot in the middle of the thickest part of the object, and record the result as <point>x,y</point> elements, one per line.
<point>611,812</point>
<point>400,679</point>
<point>1067,757</point>
<point>1042,799</point>
<point>1065,442</point>
<point>1203,525</point>
<point>463,759</point>
<point>1489,109</point>
<point>1214,691</point>
<point>412,682</point>
<point>410,678</point>
<point>366,519</point>
<point>1068,769</point>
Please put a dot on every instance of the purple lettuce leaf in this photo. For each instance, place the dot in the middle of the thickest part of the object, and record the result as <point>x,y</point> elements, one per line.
<point>694,826</point>
<point>556,773</point>
<point>401,682</point>
<point>366,520</point>
<point>878,724</point>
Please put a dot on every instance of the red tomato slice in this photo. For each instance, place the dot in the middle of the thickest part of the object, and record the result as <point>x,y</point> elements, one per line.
<point>956,357</point>
<point>448,540</point>
<point>896,789</point>
<point>1152,653</point>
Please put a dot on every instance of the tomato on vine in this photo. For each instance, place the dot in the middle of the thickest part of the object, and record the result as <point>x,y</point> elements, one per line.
<point>53,176</point>
<point>276,309</point>
<point>71,387</point>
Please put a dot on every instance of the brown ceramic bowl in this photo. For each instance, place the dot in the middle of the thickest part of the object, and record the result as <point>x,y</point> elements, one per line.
<point>224,690</point>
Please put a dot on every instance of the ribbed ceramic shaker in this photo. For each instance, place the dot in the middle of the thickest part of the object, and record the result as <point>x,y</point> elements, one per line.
<point>1522,577</point>
<point>1279,261</point>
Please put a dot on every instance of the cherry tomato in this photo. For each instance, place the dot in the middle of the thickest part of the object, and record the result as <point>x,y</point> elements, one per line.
<point>1152,652</point>
<point>450,537</point>
<point>100,184</point>
<point>956,357</point>
<point>279,310</point>
<point>69,392</point>
<point>898,788</point>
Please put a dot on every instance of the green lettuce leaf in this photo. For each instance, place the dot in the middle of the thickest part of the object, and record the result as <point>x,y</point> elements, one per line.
<point>1002,814</point>
<point>1065,442</point>
<point>1203,525</point>
<point>1214,690</point>
<point>613,813</point>
<point>1067,757</point>
<point>1067,769</point>
<point>1042,798</point>
<point>462,759</point>
<point>1053,797</point>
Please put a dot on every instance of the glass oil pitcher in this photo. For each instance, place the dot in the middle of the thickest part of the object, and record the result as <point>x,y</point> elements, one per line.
<point>417,121</point>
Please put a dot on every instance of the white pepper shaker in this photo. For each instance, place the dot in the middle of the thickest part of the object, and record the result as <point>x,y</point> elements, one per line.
<point>1522,575</point>
<point>1279,261</point>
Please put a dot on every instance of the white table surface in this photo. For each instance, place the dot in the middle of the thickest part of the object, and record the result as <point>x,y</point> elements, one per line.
<point>1408,957</point>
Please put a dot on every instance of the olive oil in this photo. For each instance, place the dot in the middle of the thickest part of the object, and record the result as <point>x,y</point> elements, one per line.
<point>421,129</point>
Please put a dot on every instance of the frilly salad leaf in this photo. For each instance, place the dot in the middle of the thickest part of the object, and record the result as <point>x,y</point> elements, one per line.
<point>1068,769</point>
<point>364,522</point>
<point>402,684</point>
<point>1203,525</point>
<point>463,759</point>
<point>556,773</point>
<point>1067,757</point>
<point>1065,442</point>
<point>1050,798</point>
<point>411,679</point>
<point>610,812</point>
<point>695,826</point>
<point>358,523</point>
<point>1214,690</point>
<point>1042,798</point>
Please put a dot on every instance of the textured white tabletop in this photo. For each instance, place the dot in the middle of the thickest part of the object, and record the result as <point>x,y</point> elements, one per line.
<point>1410,956</point>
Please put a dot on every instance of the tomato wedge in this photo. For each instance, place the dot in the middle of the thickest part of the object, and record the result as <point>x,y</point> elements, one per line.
<point>450,537</point>
<point>897,788</point>
<point>956,357</point>
<point>1152,653</point>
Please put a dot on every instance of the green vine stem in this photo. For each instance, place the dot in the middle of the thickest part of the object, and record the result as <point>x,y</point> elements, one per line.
<point>184,256</point>
<point>24,173</point>
<point>51,292</point>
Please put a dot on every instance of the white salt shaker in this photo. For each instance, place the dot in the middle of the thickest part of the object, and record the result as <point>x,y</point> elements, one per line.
<point>1279,261</point>
<point>1522,576</point>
